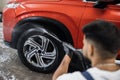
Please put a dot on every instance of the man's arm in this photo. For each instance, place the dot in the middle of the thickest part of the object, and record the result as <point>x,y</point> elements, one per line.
<point>63,68</point>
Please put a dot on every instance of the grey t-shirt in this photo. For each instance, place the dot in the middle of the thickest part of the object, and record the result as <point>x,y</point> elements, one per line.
<point>96,73</point>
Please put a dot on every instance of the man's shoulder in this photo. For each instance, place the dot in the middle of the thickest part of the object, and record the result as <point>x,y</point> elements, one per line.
<point>72,76</point>
<point>92,69</point>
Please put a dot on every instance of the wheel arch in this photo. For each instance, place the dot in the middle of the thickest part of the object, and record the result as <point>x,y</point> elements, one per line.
<point>53,25</point>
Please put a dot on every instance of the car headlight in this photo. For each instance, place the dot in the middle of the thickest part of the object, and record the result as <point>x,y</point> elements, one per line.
<point>12,5</point>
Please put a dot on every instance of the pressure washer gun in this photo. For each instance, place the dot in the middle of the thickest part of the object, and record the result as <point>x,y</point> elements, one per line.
<point>70,50</point>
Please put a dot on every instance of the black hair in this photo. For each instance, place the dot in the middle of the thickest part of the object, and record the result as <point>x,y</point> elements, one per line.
<point>104,33</point>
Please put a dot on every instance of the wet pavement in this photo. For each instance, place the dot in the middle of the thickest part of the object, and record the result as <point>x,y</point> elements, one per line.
<point>11,67</point>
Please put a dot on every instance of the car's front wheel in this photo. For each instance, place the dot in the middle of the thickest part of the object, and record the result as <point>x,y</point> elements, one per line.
<point>39,52</point>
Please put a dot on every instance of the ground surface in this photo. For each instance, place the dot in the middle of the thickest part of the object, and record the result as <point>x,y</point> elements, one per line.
<point>11,67</point>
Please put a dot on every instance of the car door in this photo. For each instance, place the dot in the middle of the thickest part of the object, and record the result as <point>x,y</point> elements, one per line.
<point>89,15</point>
<point>110,13</point>
<point>113,14</point>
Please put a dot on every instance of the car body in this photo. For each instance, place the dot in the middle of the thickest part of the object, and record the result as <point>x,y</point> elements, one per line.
<point>64,18</point>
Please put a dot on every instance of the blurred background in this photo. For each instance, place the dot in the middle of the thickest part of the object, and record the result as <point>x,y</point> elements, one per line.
<point>2,5</point>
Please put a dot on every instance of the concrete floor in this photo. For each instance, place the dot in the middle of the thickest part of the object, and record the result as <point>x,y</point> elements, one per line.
<point>11,67</point>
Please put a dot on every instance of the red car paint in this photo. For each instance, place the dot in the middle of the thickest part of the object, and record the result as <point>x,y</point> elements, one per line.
<point>74,14</point>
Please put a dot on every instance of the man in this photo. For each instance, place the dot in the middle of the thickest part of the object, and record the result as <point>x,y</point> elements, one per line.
<point>100,45</point>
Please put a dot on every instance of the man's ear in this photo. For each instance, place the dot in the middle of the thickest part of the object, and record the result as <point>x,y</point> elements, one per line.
<point>91,50</point>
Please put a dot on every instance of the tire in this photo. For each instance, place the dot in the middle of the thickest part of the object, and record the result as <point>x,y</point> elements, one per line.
<point>39,52</point>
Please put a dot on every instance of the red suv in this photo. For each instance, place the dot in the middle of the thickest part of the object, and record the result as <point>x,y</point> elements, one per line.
<point>25,21</point>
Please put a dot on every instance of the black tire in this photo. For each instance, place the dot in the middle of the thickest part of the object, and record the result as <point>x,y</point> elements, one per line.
<point>23,45</point>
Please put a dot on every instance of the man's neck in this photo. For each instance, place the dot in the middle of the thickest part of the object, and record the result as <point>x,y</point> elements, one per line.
<point>96,61</point>
<point>105,64</point>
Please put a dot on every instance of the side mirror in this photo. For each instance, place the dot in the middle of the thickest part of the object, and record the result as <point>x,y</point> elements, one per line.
<point>100,5</point>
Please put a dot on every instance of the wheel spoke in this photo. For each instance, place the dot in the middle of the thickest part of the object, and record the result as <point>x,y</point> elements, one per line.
<point>33,43</point>
<point>40,61</point>
<point>30,54</point>
<point>45,43</point>
<point>49,55</point>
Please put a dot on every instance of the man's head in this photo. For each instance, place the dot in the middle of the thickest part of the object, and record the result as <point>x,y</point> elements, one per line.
<point>101,39</point>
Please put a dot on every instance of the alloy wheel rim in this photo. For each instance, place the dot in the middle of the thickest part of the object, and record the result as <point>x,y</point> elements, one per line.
<point>39,51</point>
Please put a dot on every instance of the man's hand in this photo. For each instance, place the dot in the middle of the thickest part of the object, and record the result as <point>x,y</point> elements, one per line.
<point>63,67</point>
<point>69,50</point>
